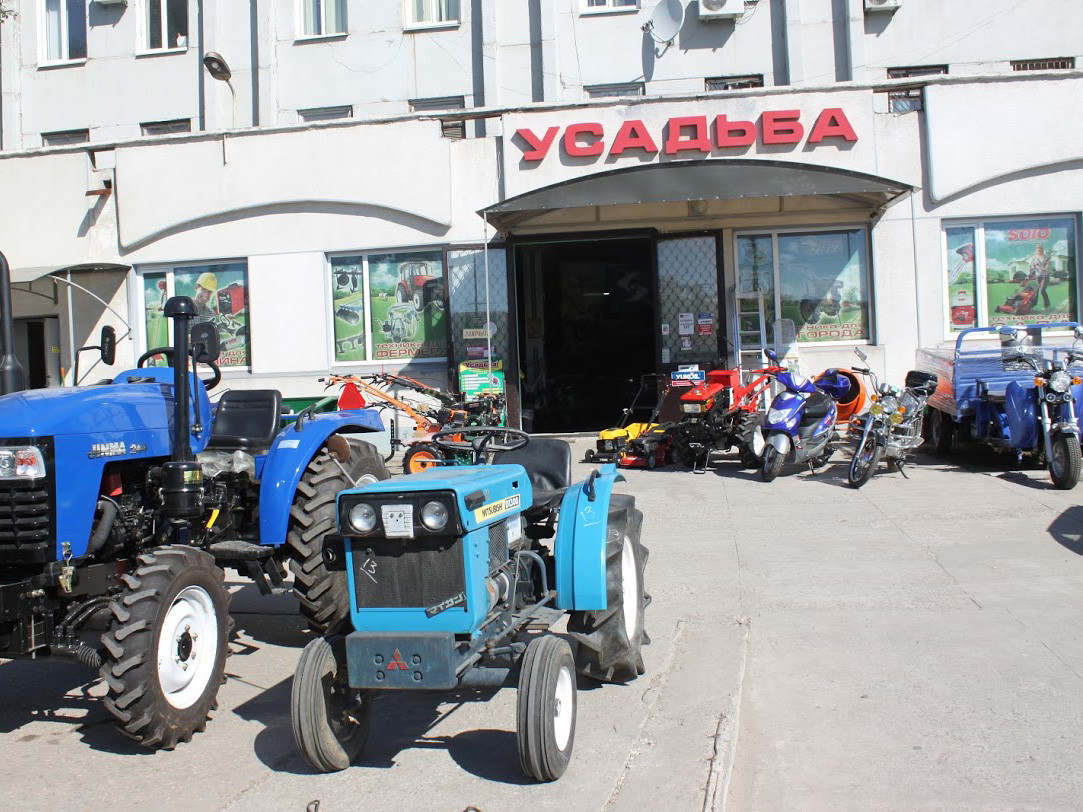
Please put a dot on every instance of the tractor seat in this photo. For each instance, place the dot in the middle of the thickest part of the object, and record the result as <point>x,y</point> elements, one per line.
<point>246,419</point>
<point>548,462</point>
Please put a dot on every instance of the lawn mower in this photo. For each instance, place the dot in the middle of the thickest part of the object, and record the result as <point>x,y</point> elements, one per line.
<point>613,442</point>
<point>654,445</point>
<point>457,576</point>
<point>721,413</point>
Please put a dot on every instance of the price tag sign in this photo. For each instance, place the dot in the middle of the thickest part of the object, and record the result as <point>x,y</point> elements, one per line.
<point>398,521</point>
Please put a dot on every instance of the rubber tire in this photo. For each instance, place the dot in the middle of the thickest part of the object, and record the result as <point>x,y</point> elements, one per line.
<point>539,754</point>
<point>418,301</point>
<point>941,432</point>
<point>429,452</point>
<point>1069,477</point>
<point>605,651</point>
<point>652,458</point>
<point>589,455</point>
<point>401,295</point>
<point>323,594</point>
<point>858,476</point>
<point>744,438</point>
<point>771,463</point>
<point>321,669</point>
<point>130,668</point>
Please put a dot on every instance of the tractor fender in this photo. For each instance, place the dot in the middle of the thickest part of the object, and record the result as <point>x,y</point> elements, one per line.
<point>579,547</point>
<point>290,454</point>
<point>780,441</point>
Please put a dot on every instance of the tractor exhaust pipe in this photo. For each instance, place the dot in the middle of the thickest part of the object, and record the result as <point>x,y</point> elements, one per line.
<point>11,371</point>
<point>182,488</point>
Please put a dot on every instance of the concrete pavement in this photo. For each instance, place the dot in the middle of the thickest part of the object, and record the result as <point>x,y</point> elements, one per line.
<point>912,644</point>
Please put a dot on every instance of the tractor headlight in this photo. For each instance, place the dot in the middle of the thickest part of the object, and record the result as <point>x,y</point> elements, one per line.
<point>692,408</point>
<point>435,516</point>
<point>1059,381</point>
<point>21,463</point>
<point>362,517</point>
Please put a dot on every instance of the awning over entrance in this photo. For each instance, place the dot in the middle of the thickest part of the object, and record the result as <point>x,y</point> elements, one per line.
<point>36,272</point>
<point>681,181</point>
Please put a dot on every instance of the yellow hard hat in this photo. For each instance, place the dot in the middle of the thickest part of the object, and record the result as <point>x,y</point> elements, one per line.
<point>208,280</point>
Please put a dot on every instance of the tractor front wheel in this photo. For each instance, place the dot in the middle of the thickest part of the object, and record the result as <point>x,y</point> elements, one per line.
<point>546,708</point>
<point>749,439</point>
<point>323,593</point>
<point>165,651</point>
<point>610,641</point>
<point>330,719</point>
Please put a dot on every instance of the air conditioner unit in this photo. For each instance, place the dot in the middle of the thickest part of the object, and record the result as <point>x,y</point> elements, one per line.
<point>888,6</point>
<point>111,2</point>
<point>721,9</point>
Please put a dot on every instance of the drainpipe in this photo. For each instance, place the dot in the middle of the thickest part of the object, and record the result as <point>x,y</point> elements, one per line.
<point>11,371</point>
<point>202,92</point>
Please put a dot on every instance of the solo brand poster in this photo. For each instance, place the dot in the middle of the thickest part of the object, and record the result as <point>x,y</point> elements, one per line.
<point>1029,271</point>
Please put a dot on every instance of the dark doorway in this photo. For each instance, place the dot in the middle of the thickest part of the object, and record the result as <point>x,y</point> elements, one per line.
<point>586,330</point>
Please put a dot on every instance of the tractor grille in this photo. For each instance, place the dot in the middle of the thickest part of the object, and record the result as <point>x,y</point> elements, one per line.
<point>498,545</point>
<point>27,516</point>
<point>407,573</point>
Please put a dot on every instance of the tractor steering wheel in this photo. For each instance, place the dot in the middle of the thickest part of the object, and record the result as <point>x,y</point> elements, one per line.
<point>480,439</point>
<point>208,384</point>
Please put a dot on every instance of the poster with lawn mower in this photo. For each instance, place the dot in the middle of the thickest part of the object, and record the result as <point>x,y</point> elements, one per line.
<point>1027,272</point>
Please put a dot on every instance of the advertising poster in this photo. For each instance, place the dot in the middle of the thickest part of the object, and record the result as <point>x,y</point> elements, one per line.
<point>348,304</point>
<point>474,378</point>
<point>684,324</point>
<point>220,293</point>
<point>1029,271</point>
<point>962,281</point>
<point>704,324</point>
<point>823,285</point>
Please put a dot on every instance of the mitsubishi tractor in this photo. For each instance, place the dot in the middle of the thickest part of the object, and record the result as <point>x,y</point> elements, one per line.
<point>121,504</point>
<point>457,576</point>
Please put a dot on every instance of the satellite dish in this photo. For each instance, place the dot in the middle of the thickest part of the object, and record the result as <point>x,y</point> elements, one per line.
<point>665,22</point>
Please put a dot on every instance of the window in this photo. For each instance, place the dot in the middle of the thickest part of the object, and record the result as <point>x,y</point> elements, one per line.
<point>180,125</point>
<point>817,279</point>
<point>626,89</point>
<point>166,24</point>
<point>910,99</point>
<point>323,18</point>
<point>325,113</point>
<point>220,292</point>
<point>388,307</point>
<point>1060,63</point>
<point>609,5</point>
<point>450,128</point>
<point>65,137</point>
<point>431,12</point>
<point>1010,272</point>
<point>64,30</point>
<point>733,82</point>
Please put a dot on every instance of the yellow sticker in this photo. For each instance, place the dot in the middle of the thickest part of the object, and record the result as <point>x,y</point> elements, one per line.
<point>497,508</point>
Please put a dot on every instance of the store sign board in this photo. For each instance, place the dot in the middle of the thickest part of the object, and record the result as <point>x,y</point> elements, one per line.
<point>685,136</point>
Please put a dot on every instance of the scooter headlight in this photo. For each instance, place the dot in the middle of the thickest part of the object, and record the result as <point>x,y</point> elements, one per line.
<point>1059,381</point>
<point>362,517</point>
<point>777,416</point>
<point>435,515</point>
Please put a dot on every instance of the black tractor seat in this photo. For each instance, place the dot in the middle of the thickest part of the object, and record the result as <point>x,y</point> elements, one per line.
<point>548,462</point>
<point>246,420</point>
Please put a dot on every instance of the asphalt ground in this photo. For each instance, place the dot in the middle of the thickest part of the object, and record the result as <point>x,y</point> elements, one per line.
<point>914,644</point>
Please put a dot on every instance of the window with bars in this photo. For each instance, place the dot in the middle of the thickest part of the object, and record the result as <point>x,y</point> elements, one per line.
<point>65,137</point>
<point>323,18</point>
<point>623,89</point>
<point>431,12</point>
<point>450,128</point>
<point>1057,63</point>
<point>609,5</point>
<point>733,82</point>
<point>63,30</point>
<point>165,24</point>
<point>314,114</point>
<point>910,99</point>
<point>180,125</point>
<point>688,300</point>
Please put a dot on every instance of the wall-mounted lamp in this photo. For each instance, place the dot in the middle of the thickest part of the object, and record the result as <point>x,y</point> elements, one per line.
<point>218,68</point>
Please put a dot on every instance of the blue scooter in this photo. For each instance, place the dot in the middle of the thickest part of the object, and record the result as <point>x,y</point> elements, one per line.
<point>800,423</point>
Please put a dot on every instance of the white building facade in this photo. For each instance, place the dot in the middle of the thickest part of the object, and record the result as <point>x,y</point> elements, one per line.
<point>419,184</point>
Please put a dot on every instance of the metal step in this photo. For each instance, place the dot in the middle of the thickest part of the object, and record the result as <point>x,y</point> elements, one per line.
<point>240,550</point>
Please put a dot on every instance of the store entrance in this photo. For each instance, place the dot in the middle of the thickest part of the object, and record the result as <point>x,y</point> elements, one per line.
<point>586,330</point>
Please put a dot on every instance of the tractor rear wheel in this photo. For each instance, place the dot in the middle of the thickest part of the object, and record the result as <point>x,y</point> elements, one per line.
<point>546,708</point>
<point>421,457</point>
<point>165,651</point>
<point>323,593</point>
<point>330,719</point>
<point>610,641</point>
<point>749,439</point>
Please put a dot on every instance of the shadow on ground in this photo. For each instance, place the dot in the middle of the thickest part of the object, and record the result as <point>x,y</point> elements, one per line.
<point>1067,529</point>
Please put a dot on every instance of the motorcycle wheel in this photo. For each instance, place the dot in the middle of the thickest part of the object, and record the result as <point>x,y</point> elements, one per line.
<point>772,463</point>
<point>865,461</point>
<point>941,429</point>
<point>1064,462</point>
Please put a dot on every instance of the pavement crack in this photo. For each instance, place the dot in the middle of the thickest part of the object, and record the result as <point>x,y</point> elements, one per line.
<point>720,772</point>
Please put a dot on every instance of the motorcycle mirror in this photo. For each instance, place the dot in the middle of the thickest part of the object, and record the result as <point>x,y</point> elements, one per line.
<point>860,354</point>
<point>109,345</point>
<point>1079,332</point>
<point>206,345</point>
<point>771,355</point>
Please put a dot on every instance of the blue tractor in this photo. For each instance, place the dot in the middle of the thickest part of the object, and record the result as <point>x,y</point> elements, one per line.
<point>121,503</point>
<point>456,577</point>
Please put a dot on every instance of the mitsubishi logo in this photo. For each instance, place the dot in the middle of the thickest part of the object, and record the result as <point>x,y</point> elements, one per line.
<point>397,663</point>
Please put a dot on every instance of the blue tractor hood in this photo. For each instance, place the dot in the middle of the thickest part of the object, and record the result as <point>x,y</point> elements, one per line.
<point>85,410</point>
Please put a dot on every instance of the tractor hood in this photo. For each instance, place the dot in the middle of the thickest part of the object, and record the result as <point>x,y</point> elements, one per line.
<point>85,410</point>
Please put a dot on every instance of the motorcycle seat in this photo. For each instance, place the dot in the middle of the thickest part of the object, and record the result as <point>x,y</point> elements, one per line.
<point>548,463</point>
<point>817,406</point>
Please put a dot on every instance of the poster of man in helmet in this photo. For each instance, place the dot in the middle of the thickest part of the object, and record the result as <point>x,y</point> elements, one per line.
<point>220,293</point>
